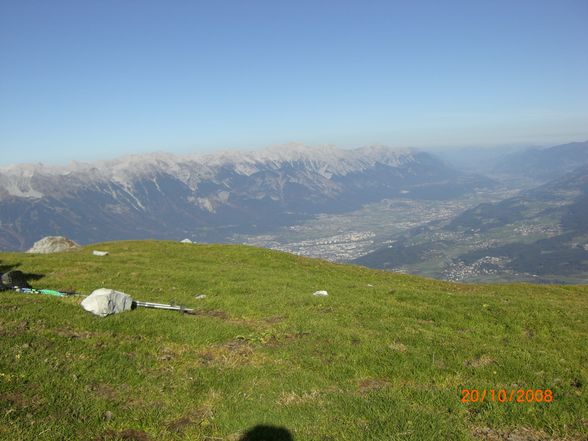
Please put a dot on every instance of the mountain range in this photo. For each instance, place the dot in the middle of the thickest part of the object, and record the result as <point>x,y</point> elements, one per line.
<point>207,197</point>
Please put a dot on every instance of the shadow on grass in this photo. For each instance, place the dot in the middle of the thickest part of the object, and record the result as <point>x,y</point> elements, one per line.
<point>33,276</point>
<point>6,268</point>
<point>267,433</point>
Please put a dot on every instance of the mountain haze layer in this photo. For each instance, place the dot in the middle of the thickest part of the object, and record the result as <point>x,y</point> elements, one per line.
<point>543,164</point>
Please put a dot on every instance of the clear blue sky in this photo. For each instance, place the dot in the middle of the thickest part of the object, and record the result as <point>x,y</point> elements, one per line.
<point>96,79</point>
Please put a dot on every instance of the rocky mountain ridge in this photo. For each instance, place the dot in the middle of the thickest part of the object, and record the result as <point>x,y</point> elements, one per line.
<point>203,196</point>
<point>29,180</point>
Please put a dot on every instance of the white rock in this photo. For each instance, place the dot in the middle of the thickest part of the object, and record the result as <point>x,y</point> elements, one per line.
<point>186,241</point>
<point>53,244</point>
<point>200,296</point>
<point>320,293</point>
<point>100,253</point>
<point>106,301</point>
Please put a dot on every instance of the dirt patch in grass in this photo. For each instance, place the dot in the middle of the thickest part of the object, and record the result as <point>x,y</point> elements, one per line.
<point>13,328</point>
<point>104,391</point>
<point>518,434</point>
<point>274,319</point>
<point>15,399</point>
<point>195,417</point>
<point>21,401</point>
<point>479,362</point>
<point>222,315</point>
<point>211,313</point>
<point>576,383</point>
<point>138,403</point>
<point>279,340</point>
<point>73,334</point>
<point>367,385</point>
<point>179,425</point>
<point>296,335</point>
<point>201,415</point>
<point>10,307</point>
<point>232,354</point>
<point>293,398</point>
<point>124,435</point>
<point>397,346</point>
<point>172,351</point>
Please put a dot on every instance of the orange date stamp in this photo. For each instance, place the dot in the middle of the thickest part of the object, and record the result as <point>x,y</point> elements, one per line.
<point>507,396</point>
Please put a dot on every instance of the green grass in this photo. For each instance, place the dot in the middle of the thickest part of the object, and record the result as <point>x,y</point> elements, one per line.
<point>380,362</point>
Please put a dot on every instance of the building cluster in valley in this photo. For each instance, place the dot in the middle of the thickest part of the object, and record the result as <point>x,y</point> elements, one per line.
<point>337,248</point>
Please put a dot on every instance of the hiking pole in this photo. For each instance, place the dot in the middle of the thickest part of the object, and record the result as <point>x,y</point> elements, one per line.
<point>50,292</point>
<point>162,306</point>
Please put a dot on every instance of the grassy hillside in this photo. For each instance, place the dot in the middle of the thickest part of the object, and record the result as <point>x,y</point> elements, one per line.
<point>383,357</point>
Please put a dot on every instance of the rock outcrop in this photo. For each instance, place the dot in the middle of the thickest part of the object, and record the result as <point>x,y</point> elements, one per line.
<point>53,244</point>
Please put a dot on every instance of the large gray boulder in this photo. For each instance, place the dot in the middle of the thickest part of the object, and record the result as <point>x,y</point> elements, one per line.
<point>53,244</point>
<point>105,301</point>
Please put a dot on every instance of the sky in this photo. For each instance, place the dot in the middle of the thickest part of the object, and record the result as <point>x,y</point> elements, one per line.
<point>85,80</point>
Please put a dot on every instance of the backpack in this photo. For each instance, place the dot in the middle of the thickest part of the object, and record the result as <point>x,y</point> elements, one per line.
<point>13,279</point>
